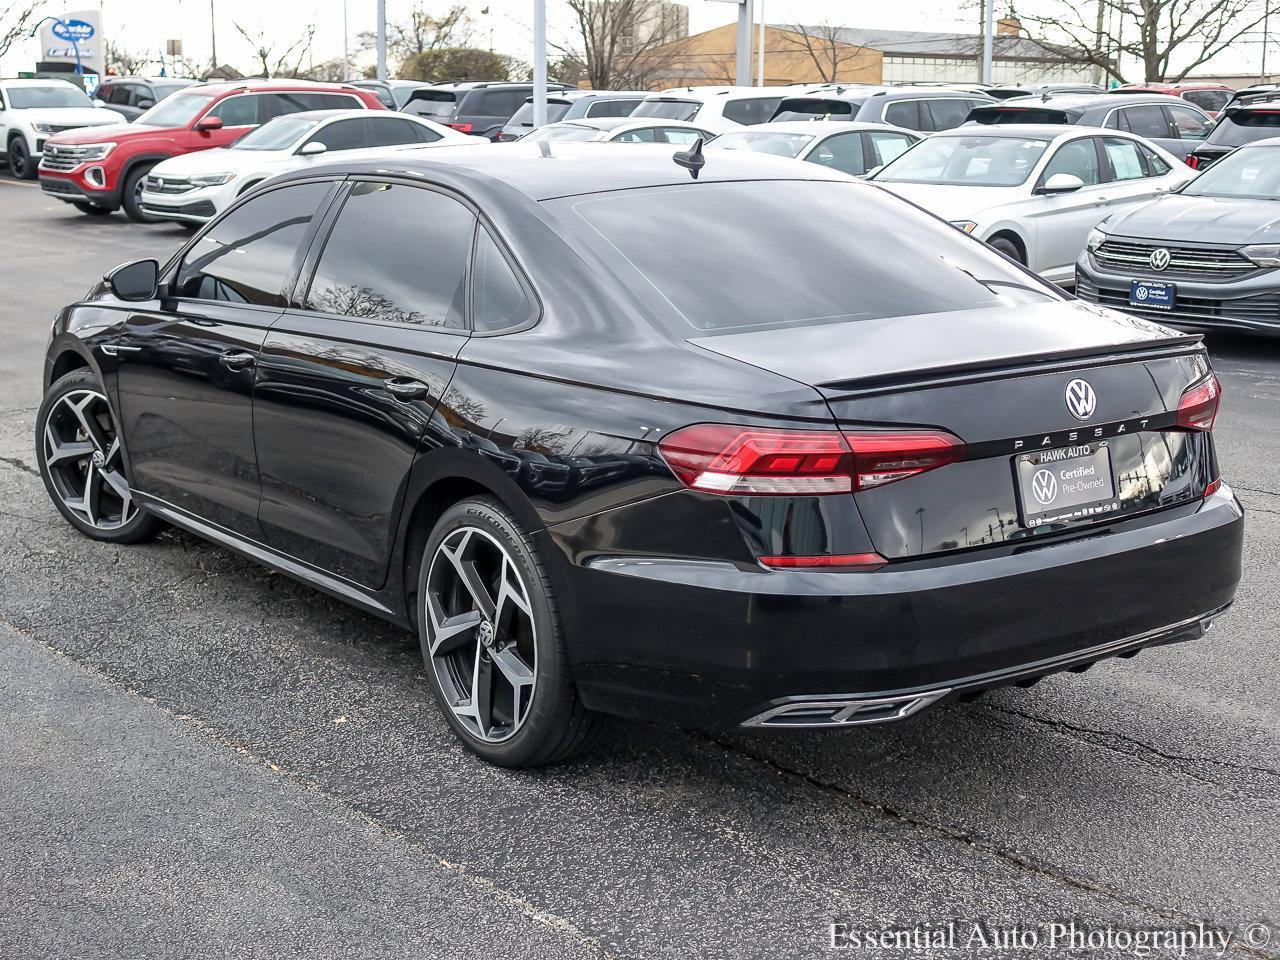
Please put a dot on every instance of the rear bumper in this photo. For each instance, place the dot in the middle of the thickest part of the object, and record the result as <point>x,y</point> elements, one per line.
<point>717,645</point>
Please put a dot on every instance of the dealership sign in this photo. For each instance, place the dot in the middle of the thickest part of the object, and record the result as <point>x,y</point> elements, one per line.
<point>81,30</point>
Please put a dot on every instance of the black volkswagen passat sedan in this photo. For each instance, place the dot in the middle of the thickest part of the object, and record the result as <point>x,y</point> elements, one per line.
<point>768,447</point>
<point>1206,255</point>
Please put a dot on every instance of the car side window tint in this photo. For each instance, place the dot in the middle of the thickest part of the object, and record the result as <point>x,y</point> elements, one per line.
<point>841,152</point>
<point>500,103</point>
<point>342,135</point>
<point>1124,159</point>
<point>498,299</point>
<point>397,254</point>
<point>643,135</point>
<point>947,114</point>
<point>248,255</point>
<point>389,131</point>
<point>904,114</point>
<point>888,146</point>
<point>1155,163</point>
<point>240,111</point>
<point>680,135</point>
<point>1079,158</point>
<point>752,111</point>
<point>1147,121</point>
<point>612,108</point>
<point>1189,124</point>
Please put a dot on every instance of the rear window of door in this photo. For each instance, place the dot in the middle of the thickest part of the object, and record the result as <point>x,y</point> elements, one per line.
<point>947,114</point>
<point>751,111</point>
<point>1078,158</point>
<point>611,107</point>
<point>389,131</point>
<point>679,135</point>
<point>904,113</point>
<point>1189,124</point>
<point>887,146</point>
<point>1124,159</point>
<point>342,135</point>
<point>842,152</point>
<point>498,298</point>
<point>643,135</point>
<point>397,254</point>
<point>240,111</point>
<point>249,255</point>
<point>1146,121</point>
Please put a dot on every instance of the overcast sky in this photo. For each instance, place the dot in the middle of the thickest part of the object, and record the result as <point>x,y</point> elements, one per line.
<point>145,24</point>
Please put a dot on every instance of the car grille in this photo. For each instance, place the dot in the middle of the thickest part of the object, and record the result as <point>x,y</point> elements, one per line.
<point>63,158</point>
<point>169,185</point>
<point>59,186</point>
<point>1254,310</point>
<point>1186,263</point>
<point>201,208</point>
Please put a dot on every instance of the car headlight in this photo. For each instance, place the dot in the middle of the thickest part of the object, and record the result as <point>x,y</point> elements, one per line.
<point>43,127</point>
<point>1263,254</point>
<point>212,179</point>
<point>968,226</point>
<point>82,152</point>
<point>1096,239</point>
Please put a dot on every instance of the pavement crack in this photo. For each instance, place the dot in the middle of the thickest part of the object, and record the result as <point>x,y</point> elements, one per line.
<point>987,845</point>
<point>20,465</point>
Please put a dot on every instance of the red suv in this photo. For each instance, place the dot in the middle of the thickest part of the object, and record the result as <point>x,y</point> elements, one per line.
<point>100,169</point>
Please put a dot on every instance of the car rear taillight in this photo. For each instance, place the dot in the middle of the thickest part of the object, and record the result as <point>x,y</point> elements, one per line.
<point>460,127</point>
<point>763,461</point>
<point>1199,404</point>
<point>1193,162</point>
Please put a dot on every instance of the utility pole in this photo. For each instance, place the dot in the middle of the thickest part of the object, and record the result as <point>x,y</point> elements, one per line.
<point>213,37</point>
<point>382,39</point>
<point>988,41</point>
<point>346,54</point>
<point>1097,43</point>
<point>760,52</point>
<point>746,21</point>
<point>1266,38</point>
<point>539,63</point>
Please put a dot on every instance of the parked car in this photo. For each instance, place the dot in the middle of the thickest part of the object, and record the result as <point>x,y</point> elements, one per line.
<point>482,109</point>
<point>131,97</point>
<point>102,170</point>
<point>195,187</point>
<point>1206,256</point>
<point>1209,97</point>
<point>720,451</point>
<point>852,148</point>
<point>713,108</point>
<point>1175,127</point>
<point>923,109</point>
<point>392,94</point>
<point>618,130</point>
<point>32,110</point>
<point>573,105</point>
<point>1247,120</point>
<point>1032,192</point>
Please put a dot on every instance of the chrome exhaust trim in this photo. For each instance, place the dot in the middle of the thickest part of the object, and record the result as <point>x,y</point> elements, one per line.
<point>845,712</point>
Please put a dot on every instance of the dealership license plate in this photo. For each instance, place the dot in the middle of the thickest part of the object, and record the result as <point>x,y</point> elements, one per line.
<point>1065,484</point>
<point>1153,294</point>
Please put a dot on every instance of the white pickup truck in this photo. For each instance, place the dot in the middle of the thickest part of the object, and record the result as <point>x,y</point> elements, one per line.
<point>31,110</point>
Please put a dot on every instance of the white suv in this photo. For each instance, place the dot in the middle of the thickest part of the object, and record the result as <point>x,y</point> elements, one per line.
<point>31,110</point>
<point>712,108</point>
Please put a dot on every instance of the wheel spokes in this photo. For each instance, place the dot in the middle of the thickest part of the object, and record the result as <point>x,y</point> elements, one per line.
<point>83,456</point>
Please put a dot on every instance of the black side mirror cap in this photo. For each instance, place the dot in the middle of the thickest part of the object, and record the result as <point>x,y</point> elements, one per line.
<point>135,282</point>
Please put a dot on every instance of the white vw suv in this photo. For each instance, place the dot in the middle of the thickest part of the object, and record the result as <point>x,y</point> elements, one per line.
<point>31,110</point>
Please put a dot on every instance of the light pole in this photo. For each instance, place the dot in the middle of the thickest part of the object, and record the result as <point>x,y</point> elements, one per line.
<point>346,54</point>
<point>760,52</point>
<point>213,38</point>
<point>539,62</point>
<point>382,39</point>
<point>988,40</point>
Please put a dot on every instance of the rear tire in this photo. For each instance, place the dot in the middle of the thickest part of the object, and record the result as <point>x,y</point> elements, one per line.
<point>20,163</point>
<point>492,644</point>
<point>1008,248</point>
<point>131,195</point>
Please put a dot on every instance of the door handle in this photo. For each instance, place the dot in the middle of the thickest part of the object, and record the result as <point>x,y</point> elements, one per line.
<point>237,360</point>
<point>405,390</point>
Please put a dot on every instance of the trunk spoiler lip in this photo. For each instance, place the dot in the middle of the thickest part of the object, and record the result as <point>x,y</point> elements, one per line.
<point>1012,366</point>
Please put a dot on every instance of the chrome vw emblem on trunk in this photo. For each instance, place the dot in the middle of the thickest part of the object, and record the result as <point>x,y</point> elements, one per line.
<point>1081,400</point>
<point>1159,259</point>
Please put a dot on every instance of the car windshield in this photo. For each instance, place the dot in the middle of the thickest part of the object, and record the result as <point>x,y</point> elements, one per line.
<point>967,161</point>
<point>1251,172</point>
<point>175,111</point>
<point>279,134</point>
<point>561,133</point>
<point>779,144</point>
<point>55,95</point>
<point>1245,126</point>
<point>798,251</point>
<point>667,109</point>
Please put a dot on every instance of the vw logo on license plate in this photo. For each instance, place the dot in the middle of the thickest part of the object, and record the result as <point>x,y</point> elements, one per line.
<point>1045,486</point>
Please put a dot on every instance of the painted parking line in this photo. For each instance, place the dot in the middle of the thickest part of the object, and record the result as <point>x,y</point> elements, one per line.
<point>19,183</point>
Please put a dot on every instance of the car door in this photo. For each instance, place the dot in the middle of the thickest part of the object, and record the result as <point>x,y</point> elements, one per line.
<point>351,374</point>
<point>1062,221</point>
<point>1190,125</point>
<point>843,151</point>
<point>1131,173</point>
<point>186,367</point>
<point>239,114</point>
<point>1151,122</point>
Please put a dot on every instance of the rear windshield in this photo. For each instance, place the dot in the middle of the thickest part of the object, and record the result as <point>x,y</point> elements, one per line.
<point>1018,115</point>
<point>807,109</point>
<point>54,95</point>
<point>967,162</point>
<point>1245,126</point>
<point>431,103</point>
<point>556,109</point>
<point>792,253</point>
<point>668,109</point>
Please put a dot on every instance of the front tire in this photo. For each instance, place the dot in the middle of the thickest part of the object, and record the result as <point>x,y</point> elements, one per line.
<point>491,641</point>
<point>20,163</point>
<point>1008,248</point>
<point>131,195</point>
<point>81,459</point>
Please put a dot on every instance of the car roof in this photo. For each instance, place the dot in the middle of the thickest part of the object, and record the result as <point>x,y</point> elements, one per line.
<point>1024,131</point>
<point>256,85</point>
<point>903,92</point>
<point>35,82</point>
<point>1085,101</point>
<point>823,127</point>
<point>565,168</point>
<point>705,93</point>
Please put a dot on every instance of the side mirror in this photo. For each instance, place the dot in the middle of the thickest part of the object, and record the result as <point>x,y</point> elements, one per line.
<point>145,104</point>
<point>312,148</point>
<point>208,123</point>
<point>135,282</point>
<point>1060,183</point>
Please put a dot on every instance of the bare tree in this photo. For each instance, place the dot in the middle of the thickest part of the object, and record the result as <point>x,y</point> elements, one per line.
<point>124,63</point>
<point>274,59</point>
<point>422,33</point>
<point>621,44</point>
<point>15,21</point>
<point>824,47</point>
<point>1168,38</point>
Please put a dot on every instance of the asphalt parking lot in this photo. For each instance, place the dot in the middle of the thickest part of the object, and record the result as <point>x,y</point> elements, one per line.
<point>196,751</point>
